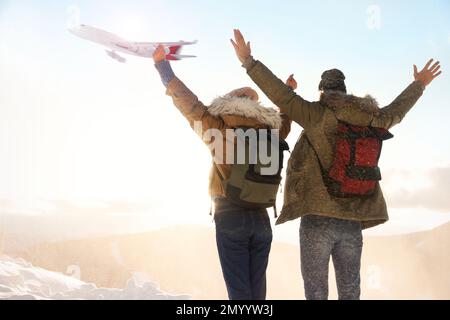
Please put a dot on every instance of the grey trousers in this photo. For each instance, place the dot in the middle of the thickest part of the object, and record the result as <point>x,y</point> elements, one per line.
<point>322,237</point>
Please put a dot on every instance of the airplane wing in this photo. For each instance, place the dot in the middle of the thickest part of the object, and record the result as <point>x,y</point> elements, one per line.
<point>124,45</point>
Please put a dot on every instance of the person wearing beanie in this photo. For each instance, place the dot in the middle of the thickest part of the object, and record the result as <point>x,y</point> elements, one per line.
<point>243,235</point>
<point>332,217</point>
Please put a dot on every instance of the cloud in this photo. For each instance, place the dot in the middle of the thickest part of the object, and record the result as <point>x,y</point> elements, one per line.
<point>430,189</point>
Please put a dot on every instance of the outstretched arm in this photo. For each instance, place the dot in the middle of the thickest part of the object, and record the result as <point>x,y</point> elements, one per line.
<point>183,98</point>
<point>286,122</point>
<point>298,109</point>
<point>396,111</point>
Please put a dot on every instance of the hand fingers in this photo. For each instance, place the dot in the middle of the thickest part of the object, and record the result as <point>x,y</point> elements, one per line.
<point>159,50</point>
<point>435,70</point>
<point>428,64</point>
<point>234,44</point>
<point>435,67</point>
<point>239,37</point>
<point>291,81</point>
<point>437,74</point>
<point>238,34</point>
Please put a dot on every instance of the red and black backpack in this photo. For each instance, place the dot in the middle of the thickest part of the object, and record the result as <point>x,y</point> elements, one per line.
<point>354,170</point>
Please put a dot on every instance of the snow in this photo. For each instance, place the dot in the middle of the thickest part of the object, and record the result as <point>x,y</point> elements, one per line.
<point>19,280</point>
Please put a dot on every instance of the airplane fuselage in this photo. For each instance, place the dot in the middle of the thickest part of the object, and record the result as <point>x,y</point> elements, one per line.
<point>111,41</point>
<point>116,44</point>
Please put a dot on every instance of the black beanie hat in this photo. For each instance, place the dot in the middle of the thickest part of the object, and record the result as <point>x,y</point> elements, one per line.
<point>333,80</point>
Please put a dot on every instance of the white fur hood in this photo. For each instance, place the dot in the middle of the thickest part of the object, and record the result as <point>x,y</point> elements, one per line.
<point>245,108</point>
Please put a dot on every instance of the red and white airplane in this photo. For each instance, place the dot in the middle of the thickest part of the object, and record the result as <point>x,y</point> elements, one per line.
<point>140,49</point>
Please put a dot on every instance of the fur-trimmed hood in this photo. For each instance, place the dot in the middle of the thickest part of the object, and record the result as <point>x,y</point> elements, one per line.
<point>337,100</point>
<point>245,111</point>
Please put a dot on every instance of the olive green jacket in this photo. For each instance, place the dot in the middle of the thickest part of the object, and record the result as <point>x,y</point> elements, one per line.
<point>305,190</point>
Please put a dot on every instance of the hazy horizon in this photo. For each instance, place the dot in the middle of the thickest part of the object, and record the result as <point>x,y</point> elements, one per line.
<point>176,259</point>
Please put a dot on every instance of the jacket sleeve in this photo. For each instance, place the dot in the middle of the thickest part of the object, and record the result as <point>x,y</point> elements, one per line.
<point>305,113</point>
<point>191,108</point>
<point>394,113</point>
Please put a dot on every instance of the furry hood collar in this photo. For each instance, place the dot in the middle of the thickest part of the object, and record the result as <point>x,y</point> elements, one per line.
<point>338,100</point>
<point>247,109</point>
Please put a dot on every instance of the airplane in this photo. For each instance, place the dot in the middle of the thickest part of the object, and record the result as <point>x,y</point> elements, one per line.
<point>116,44</point>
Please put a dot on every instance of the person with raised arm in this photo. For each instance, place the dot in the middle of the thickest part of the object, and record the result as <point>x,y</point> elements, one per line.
<point>332,181</point>
<point>240,191</point>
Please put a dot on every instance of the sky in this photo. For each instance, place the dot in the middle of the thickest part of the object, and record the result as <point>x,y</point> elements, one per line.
<point>78,127</point>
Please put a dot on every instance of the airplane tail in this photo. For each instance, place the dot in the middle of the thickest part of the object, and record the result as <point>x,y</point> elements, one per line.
<point>173,52</point>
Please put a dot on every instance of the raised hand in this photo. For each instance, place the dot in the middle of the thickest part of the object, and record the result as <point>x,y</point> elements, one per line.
<point>159,54</point>
<point>243,50</point>
<point>291,82</point>
<point>427,74</point>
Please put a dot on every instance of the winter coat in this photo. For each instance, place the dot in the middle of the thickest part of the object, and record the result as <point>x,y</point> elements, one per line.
<point>305,190</point>
<point>224,113</point>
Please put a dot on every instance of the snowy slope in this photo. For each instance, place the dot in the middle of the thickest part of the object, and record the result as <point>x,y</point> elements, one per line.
<point>21,280</point>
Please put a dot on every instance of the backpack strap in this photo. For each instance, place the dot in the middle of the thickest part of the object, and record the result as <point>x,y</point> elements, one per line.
<point>314,150</point>
<point>323,171</point>
<point>221,175</point>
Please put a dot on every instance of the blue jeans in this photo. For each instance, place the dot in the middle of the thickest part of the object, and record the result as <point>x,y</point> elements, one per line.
<point>322,237</point>
<point>244,238</point>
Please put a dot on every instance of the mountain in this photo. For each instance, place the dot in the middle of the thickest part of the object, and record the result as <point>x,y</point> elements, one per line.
<point>20,280</point>
<point>184,260</point>
<point>412,266</point>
